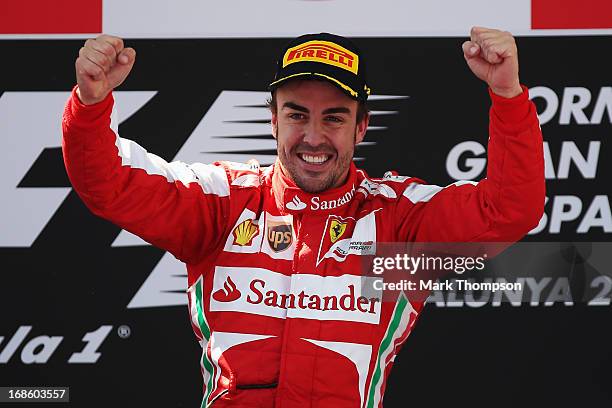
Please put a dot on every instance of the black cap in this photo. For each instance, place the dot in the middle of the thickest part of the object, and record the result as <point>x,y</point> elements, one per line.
<point>327,57</point>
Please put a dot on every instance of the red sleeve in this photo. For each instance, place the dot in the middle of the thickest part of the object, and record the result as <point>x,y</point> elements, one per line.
<point>504,206</point>
<point>177,207</point>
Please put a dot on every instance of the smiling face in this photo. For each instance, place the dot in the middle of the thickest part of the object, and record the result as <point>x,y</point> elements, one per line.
<point>316,130</point>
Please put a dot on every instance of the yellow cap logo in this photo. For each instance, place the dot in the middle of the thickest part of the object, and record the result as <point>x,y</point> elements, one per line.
<point>325,52</point>
<point>336,230</point>
<point>245,232</point>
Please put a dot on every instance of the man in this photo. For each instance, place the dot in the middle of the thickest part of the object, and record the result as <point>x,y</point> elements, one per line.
<point>273,254</point>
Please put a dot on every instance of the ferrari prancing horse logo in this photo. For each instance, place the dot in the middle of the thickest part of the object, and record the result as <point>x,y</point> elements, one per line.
<point>336,230</point>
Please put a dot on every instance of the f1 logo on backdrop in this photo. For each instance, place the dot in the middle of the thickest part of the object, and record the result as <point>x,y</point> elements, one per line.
<point>30,123</point>
<point>221,134</point>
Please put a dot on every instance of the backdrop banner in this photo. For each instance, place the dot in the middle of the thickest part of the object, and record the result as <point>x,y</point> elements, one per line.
<point>87,306</point>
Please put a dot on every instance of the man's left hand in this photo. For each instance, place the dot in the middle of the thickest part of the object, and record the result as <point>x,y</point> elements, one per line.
<point>493,57</point>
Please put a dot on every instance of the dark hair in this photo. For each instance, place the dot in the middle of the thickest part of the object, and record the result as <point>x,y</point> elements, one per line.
<point>362,107</point>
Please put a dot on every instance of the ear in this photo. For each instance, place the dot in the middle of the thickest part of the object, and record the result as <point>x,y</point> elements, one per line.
<point>362,126</point>
<point>274,124</point>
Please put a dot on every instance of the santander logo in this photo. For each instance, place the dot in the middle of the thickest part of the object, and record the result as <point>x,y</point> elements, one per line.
<point>296,204</point>
<point>316,203</point>
<point>228,293</point>
<point>307,296</point>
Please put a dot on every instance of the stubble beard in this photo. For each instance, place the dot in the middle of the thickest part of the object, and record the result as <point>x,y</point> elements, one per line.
<point>307,184</point>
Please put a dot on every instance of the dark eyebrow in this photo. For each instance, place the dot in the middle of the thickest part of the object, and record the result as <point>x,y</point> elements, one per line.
<point>295,106</point>
<point>337,110</point>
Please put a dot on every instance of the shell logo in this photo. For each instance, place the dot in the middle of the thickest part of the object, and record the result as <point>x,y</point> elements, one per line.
<point>245,232</point>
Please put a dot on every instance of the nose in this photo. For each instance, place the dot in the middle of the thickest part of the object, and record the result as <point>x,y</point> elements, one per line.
<point>314,134</point>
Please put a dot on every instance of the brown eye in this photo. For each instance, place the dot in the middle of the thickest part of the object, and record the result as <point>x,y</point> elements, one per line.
<point>296,116</point>
<point>335,119</point>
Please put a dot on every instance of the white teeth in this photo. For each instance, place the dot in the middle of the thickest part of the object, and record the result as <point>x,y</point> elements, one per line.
<point>314,159</point>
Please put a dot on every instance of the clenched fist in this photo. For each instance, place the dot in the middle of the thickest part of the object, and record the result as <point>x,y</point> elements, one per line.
<point>102,65</point>
<point>493,57</point>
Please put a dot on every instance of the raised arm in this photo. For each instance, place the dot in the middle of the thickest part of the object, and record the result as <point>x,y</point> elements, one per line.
<point>177,207</point>
<point>509,202</point>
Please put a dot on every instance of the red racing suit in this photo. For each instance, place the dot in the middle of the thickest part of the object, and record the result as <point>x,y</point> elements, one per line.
<point>274,289</point>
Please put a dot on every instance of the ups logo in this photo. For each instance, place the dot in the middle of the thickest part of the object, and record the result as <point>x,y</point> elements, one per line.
<point>280,235</point>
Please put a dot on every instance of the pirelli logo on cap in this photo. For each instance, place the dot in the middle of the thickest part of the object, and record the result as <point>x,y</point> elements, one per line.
<point>324,52</point>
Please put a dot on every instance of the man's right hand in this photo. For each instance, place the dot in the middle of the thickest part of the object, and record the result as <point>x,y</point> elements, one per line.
<point>102,65</point>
